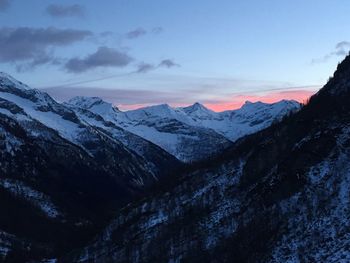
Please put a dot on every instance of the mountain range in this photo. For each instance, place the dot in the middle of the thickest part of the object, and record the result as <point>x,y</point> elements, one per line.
<point>192,133</point>
<point>82,181</point>
<point>278,195</point>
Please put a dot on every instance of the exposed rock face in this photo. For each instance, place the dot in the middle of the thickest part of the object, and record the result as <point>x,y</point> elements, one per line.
<point>281,195</point>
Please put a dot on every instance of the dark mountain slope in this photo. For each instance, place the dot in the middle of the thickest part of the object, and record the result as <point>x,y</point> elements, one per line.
<point>281,195</point>
<point>61,178</point>
<point>158,160</point>
<point>52,192</point>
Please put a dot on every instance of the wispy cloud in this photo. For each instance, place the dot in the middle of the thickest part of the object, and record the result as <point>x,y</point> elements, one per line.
<point>138,32</point>
<point>168,63</point>
<point>61,11</point>
<point>4,4</point>
<point>341,49</point>
<point>34,46</point>
<point>145,67</point>
<point>103,57</point>
<point>157,30</point>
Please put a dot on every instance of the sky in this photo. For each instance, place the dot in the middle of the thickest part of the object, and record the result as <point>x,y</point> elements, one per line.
<point>136,53</point>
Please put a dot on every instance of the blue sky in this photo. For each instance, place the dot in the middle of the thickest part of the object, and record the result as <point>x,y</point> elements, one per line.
<point>141,52</point>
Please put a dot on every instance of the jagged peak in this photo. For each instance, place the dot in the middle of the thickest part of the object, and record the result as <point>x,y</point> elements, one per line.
<point>95,104</point>
<point>197,104</point>
<point>11,82</point>
<point>161,107</point>
<point>250,104</point>
<point>252,108</point>
<point>88,102</point>
<point>289,102</point>
<point>196,107</point>
<point>260,103</point>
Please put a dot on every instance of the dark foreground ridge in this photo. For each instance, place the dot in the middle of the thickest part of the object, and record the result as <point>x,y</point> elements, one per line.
<point>281,195</point>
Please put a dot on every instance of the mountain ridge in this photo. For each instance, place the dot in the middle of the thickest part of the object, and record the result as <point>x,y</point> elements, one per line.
<point>180,130</point>
<point>280,195</point>
<point>68,168</point>
<point>62,174</point>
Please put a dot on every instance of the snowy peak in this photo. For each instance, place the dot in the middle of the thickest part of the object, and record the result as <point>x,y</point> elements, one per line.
<point>195,107</point>
<point>179,130</point>
<point>198,110</point>
<point>189,133</point>
<point>259,112</point>
<point>93,134</point>
<point>19,93</point>
<point>94,104</point>
<point>252,107</point>
<point>163,111</point>
<point>85,102</point>
<point>7,81</point>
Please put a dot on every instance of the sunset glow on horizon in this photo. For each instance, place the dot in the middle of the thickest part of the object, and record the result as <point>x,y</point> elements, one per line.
<point>140,53</point>
<point>236,102</point>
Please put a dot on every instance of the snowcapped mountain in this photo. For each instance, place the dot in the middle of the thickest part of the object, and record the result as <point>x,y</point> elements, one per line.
<point>94,104</point>
<point>67,168</point>
<point>40,107</point>
<point>192,133</point>
<point>279,195</point>
<point>250,118</point>
<point>62,174</point>
<point>161,125</point>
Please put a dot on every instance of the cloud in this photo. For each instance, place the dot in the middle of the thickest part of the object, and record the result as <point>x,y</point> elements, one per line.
<point>4,4</point>
<point>138,32</point>
<point>37,61</point>
<point>168,63</point>
<point>145,67</point>
<point>157,30</point>
<point>103,57</point>
<point>341,49</point>
<point>34,46</point>
<point>61,11</point>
